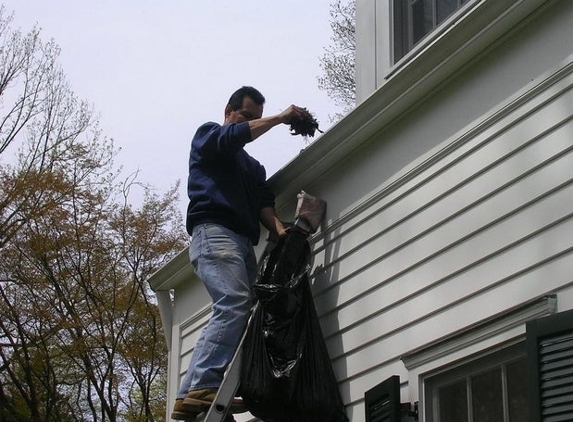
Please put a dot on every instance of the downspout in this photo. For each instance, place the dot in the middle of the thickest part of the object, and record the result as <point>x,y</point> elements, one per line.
<point>166,313</point>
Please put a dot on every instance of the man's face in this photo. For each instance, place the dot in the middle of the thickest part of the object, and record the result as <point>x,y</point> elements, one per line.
<point>248,111</point>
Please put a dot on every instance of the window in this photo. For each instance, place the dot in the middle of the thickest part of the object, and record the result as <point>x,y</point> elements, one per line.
<point>414,19</point>
<point>490,389</point>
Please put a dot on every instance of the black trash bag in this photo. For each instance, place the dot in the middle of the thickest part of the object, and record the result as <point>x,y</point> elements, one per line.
<point>286,374</point>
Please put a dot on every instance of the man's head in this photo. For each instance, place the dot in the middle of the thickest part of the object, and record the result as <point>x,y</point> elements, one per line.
<point>245,104</point>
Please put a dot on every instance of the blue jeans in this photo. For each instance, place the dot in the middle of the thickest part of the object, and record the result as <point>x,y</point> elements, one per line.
<point>226,264</point>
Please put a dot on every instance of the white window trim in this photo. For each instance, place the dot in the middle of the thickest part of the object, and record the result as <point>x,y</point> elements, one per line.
<point>463,12</point>
<point>489,335</point>
<point>463,35</point>
<point>500,361</point>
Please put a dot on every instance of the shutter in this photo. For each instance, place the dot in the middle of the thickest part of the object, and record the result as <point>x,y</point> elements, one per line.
<point>382,402</point>
<point>550,361</point>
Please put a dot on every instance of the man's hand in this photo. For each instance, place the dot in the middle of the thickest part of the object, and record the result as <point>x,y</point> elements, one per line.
<point>292,113</point>
<point>271,222</point>
<point>262,125</point>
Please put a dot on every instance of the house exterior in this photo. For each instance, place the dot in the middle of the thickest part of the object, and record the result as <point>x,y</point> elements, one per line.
<point>443,271</point>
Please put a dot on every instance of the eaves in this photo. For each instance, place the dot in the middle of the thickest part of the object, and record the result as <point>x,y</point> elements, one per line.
<point>407,85</point>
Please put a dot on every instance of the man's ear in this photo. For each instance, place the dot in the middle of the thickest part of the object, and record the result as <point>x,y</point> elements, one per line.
<point>228,110</point>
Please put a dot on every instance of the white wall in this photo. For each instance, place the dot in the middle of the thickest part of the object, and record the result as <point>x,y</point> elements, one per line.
<point>456,211</point>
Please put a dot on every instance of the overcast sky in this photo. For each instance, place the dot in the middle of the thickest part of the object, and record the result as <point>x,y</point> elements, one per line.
<point>155,70</point>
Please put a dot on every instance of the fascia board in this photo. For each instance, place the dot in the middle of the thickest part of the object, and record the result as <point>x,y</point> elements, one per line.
<point>176,271</point>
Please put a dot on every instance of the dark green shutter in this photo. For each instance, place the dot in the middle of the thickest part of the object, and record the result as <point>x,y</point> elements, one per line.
<point>382,402</point>
<point>550,362</point>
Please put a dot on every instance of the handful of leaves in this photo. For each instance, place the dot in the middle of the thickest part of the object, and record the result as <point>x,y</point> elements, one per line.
<point>305,125</point>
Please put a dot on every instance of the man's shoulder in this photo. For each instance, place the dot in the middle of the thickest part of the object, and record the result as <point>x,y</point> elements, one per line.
<point>236,128</point>
<point>204,130</point>
<point>208,126</point>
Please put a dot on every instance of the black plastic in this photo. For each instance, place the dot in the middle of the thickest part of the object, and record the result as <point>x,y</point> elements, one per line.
<point>286,373</point>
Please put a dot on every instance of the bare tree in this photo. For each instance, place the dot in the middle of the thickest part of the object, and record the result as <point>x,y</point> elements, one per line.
<point>80,335</point>
<point>40,118</point>
<point>338,62</point>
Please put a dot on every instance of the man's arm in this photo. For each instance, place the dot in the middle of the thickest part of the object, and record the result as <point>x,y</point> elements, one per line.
<point>271,222</point>
<point>264,124</point>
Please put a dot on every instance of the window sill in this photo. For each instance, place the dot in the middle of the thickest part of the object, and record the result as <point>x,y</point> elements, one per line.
<point>462,37</point>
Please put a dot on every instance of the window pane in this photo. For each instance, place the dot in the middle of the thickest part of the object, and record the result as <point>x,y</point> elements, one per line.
<point>422,20</point>
<point>517,391</point>
<point>487,402</point>
<point>454,402</point>
<point>446,8</point>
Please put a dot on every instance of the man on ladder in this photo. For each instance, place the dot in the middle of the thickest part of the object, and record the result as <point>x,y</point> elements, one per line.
<point>228,197</point>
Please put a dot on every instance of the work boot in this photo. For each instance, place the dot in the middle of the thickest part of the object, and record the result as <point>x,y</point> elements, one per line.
<point>182,412</point>
<point>200,401</point>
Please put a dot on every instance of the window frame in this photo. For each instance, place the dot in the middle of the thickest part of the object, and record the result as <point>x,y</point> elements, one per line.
<point>468,369</point>
<point>403,30</point>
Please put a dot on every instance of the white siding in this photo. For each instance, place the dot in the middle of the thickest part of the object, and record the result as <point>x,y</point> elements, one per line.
<point>482,229</point>
<point>427,237</point>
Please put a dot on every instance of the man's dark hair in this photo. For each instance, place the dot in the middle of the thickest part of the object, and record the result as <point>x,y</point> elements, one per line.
<point>236,100</point>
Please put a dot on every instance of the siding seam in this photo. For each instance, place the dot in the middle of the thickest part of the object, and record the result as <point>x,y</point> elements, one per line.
<point>442,222</point>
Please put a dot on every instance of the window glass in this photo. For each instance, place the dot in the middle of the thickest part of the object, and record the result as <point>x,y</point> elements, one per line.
<point>445,9</point>
<point>487,396</point>
<point>422,19</point>
<point>454,402</point>
<point>517,391</point>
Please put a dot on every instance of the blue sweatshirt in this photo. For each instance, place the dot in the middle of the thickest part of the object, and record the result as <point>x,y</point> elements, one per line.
<point>226,185</point>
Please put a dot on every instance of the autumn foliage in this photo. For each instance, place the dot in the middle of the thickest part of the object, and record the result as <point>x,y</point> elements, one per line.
<point>80,333</point>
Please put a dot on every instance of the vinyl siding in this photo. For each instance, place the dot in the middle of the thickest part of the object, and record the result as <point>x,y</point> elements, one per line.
<point>480,225</point>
